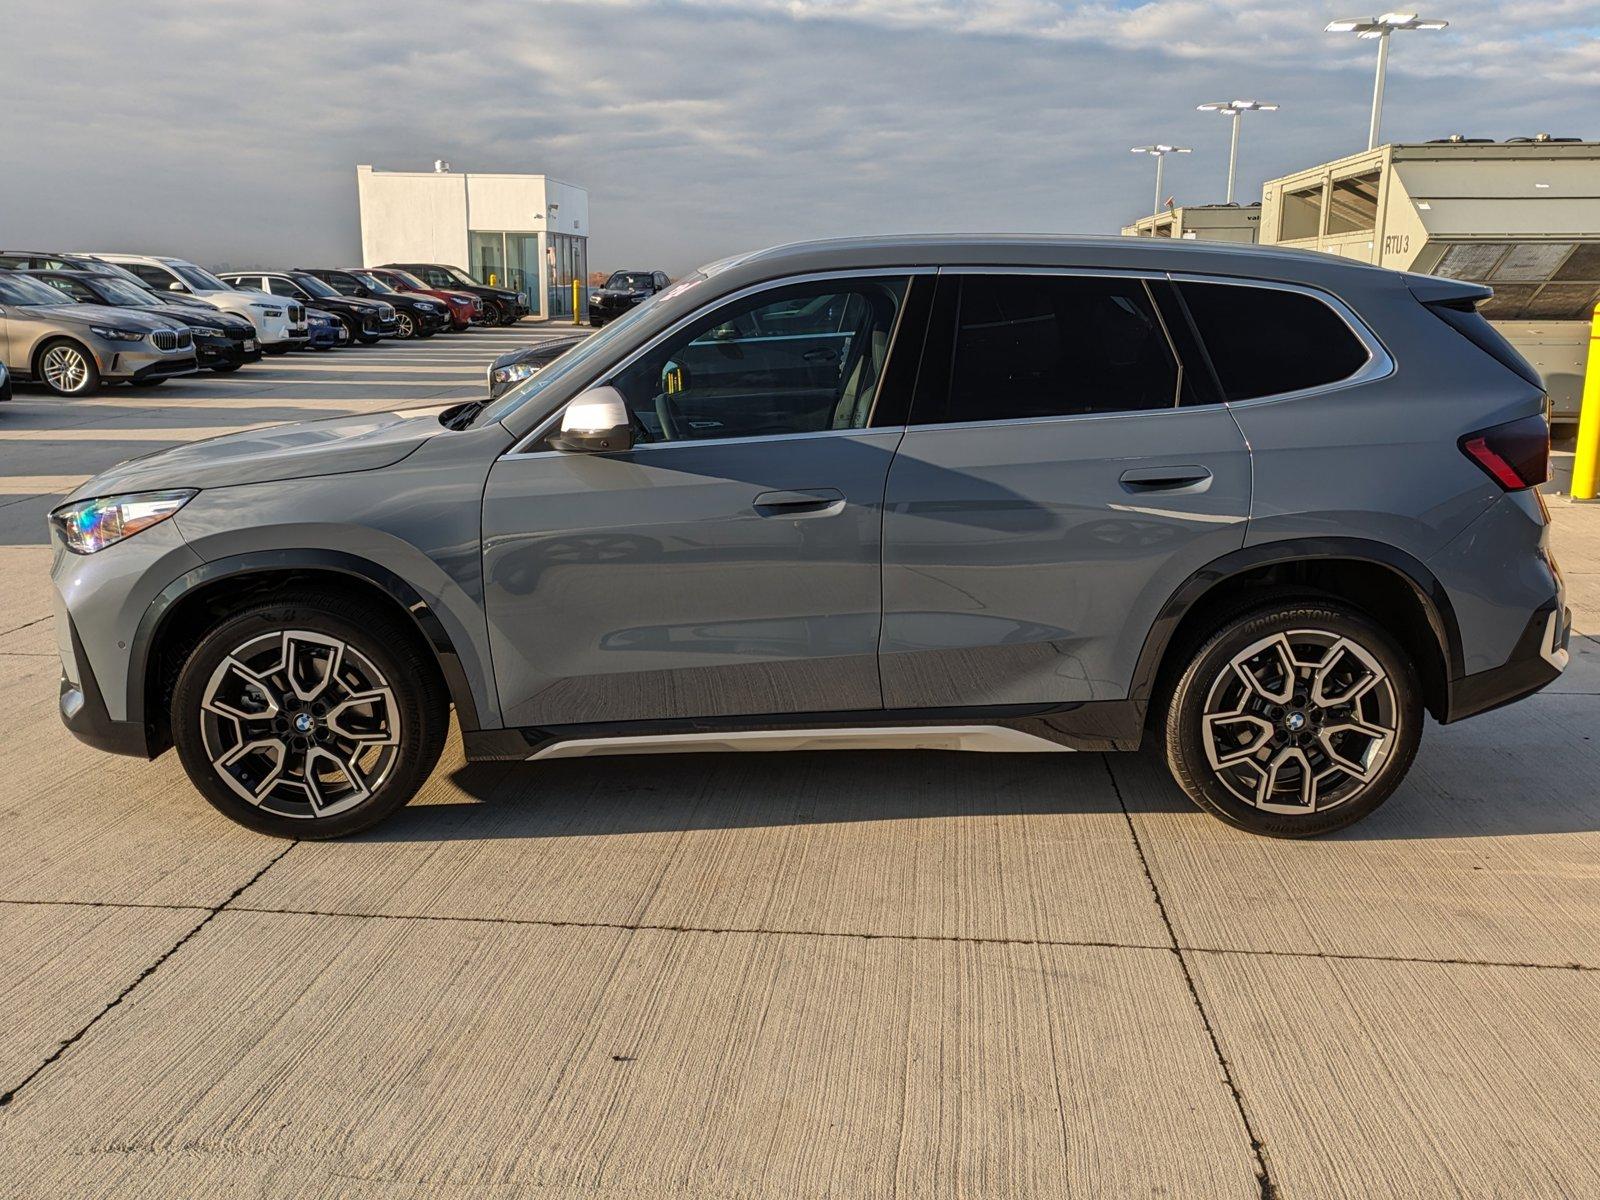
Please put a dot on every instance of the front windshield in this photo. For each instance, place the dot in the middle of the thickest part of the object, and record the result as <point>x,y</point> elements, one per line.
<point>629,280</point>
<point>124,295</point>
<point>19,289</point>
<point>410,280</point>
<point>461,276</point>
<point>576,359</point>
<point>200,281</point>
<point>316,286</point>
<point>373,284</point>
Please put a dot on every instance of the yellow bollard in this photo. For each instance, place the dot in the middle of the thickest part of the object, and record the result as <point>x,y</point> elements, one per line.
<point>577,301</point>
<point>1588,458</point>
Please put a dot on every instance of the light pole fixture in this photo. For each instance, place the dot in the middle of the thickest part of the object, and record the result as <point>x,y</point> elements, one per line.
<point>1160,150</point>
<point>1380,28</point>
<point>1234,109</point>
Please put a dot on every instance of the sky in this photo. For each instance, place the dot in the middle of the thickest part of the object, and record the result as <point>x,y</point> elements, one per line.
<point>229,134</point>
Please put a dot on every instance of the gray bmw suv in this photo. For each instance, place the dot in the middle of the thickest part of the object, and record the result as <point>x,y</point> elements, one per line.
<point>944,493</point>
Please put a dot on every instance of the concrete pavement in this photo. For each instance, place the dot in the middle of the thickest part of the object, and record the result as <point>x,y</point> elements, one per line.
<point>841,975</point>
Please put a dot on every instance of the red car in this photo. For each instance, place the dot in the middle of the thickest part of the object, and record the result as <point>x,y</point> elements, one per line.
<point>465,308</point>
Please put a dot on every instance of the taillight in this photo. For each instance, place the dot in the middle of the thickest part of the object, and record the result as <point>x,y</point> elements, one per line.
<point>1515,455</point>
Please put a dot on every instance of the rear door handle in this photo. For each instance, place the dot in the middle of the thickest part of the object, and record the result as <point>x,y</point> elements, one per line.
<point>1178,478</point>
<point>807,502</point>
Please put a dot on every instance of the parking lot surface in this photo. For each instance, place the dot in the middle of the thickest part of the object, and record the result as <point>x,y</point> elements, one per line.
<point>818,975</point>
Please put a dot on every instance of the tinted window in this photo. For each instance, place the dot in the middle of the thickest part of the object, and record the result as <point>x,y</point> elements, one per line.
<point>282,287</point>
<point>74,288</point>
<point>802,359</point>
<point>1266,341</point>
<point>153,275</point>
<point>345,284</point>
<point>1032,346</point>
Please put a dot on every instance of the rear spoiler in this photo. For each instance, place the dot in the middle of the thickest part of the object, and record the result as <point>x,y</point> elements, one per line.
<point>1449,293</point>
<point>1456,304</point>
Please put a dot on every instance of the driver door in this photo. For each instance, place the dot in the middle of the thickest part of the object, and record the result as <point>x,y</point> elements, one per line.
<point>729,562</point>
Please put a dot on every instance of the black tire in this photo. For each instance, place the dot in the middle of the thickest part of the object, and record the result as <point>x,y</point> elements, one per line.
<point>147,383</point>
<point>405,327</point>
<point>1295,748</point>
<point>380,655</point>
<point>85,375</point>
<point>491,313</point>
<point>226,368</point>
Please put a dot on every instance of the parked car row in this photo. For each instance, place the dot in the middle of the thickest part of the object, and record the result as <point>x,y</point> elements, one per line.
<point>75,321</point>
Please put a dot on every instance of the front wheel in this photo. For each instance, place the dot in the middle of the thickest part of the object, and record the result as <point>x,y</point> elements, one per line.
<point>67,369</point>
<point>491,313</point>
<point>309,716</point>
<point>1294,719</point>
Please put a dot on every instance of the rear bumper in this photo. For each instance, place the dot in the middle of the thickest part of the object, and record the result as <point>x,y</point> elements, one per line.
<point>1538,659</point>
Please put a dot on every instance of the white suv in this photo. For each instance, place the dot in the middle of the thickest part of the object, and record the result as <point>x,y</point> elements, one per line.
<point>280,324</point>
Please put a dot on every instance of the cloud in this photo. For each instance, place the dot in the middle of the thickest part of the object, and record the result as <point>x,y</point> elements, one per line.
<point>703,127</point>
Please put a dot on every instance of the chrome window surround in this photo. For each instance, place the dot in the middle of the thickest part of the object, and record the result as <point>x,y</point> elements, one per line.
<point>1379,364</point>
<point>544,427</point>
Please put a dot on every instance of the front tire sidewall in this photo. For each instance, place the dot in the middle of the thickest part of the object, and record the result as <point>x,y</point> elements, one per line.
<point>382,639</point>
<point>1185,745</point>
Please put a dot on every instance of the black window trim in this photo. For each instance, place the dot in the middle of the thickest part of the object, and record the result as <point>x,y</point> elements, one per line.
<point>532,446</point>
<point>1379,364</point>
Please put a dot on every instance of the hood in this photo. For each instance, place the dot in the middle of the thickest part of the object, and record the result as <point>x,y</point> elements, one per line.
<point>331,446</point>
<point>215,318</point>
<point>104,314</point>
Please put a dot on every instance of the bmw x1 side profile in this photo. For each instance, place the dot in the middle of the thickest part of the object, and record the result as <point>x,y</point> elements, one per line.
<point>1261,507</point>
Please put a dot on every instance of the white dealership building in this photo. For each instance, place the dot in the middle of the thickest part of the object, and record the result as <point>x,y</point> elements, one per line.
<point>527,232</point>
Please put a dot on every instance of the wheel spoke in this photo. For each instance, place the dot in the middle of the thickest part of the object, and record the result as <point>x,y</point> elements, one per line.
<point>1367,675</point>
<point>317,756</point>
<point>1273,780</point>
<point>253,792</point>
<point>1377,742</point>
<point>1259,659</point>
<point>253,685</point>
<point>1223,746</point>
<point>373,700</point>
<point>310,662</point>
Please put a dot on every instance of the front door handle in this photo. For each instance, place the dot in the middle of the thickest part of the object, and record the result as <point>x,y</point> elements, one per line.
<point>827,356</point>
<point>808,502</point>
<point>1177,478</point>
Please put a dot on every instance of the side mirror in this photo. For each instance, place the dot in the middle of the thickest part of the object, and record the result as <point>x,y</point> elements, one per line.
<point>595,422</point>
<point>175,286</point>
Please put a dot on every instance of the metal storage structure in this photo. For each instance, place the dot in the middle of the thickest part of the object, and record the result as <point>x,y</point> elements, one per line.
<point>1203,222</point>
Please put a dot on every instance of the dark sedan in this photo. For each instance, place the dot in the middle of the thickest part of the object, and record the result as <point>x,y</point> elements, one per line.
<point>623,291</point>
<point>366,320</point>
<point>514,366</point>
<point>501,306</point>
<point>416,315</point>
<point>223,342</point>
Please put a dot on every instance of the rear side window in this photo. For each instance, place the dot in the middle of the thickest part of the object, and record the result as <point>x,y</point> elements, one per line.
<point>1035,346</point>
<point>1267,341</point>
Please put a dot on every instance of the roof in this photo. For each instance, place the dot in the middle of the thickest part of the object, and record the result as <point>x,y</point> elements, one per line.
<point>1110,252</point>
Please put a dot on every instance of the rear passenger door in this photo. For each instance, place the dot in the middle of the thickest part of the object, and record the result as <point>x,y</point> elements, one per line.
<point>1067,466</point>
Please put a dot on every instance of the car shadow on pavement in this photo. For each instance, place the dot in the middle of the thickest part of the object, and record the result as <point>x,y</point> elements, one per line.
<point>1507,784</point>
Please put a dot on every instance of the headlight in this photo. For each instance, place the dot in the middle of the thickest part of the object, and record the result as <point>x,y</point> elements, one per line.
<point>428,307</point>
<point>267,310</point>
<point>91,525</point>
<point>514,372</point>
<point>207,331</point>
<point>115,334</point>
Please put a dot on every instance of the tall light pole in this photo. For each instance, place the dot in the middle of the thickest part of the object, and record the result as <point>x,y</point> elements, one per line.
<point>1160,150</point>
<point>1380,28</point>
<point>1235,109</point>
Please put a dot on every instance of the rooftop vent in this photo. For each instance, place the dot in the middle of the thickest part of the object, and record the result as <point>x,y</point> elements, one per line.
<point>440,167</point>
<point>1543,137</point>
<point>1458,138</point>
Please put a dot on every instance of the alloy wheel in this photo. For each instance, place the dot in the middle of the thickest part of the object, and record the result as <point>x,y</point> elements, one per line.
<point>1300,722</point>
<point>300,724</point>
<point>65,368</point>
<point>407,328</point>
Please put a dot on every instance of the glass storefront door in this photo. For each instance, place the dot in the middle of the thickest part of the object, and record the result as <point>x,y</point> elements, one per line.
<point>511,260</point>
<point>488,263</point>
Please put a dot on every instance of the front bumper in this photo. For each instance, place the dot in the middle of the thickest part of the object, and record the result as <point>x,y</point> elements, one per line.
<point>1538,659</point>
<point>83,707</point>
<point>432,322</point>
<point>221,352</point>
<point>119,366</point>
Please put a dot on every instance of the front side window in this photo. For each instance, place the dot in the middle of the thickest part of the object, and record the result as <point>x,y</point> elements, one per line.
<point>283,287</point>
<point>73,288</point>
<point>800,359</point>
<point>199,280</point>
<point>1036,346</point>
<point>1267,341</point>
<point>157,277</point>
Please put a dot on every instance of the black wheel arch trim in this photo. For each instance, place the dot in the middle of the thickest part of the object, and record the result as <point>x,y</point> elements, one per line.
<point>334,561</point>
<point>1435,600</point>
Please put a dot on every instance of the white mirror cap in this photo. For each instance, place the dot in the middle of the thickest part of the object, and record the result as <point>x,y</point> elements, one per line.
<point>595,411</point>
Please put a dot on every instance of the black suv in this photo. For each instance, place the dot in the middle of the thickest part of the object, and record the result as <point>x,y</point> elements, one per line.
<point>501,306</point>
<point>415,316</point>
<point>367,320</point>
<point>624,290</point>
<point>223,342</point>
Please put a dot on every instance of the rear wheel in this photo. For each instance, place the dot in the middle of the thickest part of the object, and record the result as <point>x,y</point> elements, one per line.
<point>1294,719</point>
<point>67,369</point>
<point>310,716</point>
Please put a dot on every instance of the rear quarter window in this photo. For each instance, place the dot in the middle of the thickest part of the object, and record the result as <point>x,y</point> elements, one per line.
<point>1265,341</point>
